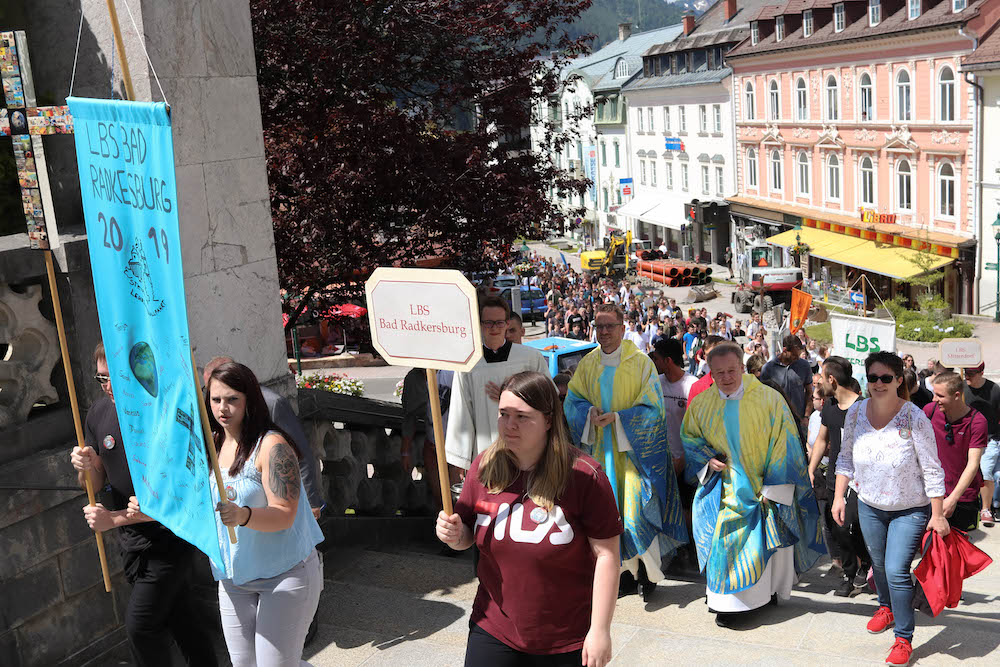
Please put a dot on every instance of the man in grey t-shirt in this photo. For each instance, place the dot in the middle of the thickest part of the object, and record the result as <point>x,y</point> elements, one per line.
<point>793,373</point>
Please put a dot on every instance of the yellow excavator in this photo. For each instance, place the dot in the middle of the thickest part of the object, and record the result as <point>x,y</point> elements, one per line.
<point>614,260</point>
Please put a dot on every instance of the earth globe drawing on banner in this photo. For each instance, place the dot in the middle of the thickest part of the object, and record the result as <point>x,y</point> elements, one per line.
<point>143,365</point>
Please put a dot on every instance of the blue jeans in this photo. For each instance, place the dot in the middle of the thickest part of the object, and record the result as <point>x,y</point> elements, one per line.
<point>893,540</point>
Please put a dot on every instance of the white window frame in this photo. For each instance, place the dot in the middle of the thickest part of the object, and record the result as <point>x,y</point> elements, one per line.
<point>717,117</point>
<point>807,23</point>
<point>702,118</point>
<point>754,33</point>
<point>720,181</point>
<point>774,171</point>
<point>803,185</point>
<point>640,125</point>
<point>668,169</point>
<point>779,28</point>
<point>618,155</point>
<point>684,177</point>
<point>912,9</point>
<point>666,119</point>
<point>642,172</point>
<point>801,100</point>
<point>607,199</point>
<point>649,119</point>
<point>834,186</point>
<point>898,189</point>
<point>652,173</point>
<point>621,69</point>
<point>903,96</point>
<point>942,199</point>
<point>958,5</point>
<point>773,100</point>
<point>861,96</point>
<point>868,174</point>
<point>944,88</point>
<point>874,12</point>
<point>749,101</point>
<point>706,180</point>
<point>835,115</point>
<point>682,123</point>
<point>604,153</point>
<point>751,164</point>
<point>839,17</point>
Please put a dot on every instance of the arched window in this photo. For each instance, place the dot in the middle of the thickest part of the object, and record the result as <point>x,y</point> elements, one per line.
<point>946,93</point>
<point>775,169</point>
<point>621,69</point>
<point>749,101</point>
<point>904,186</point>
<point>801,100</point>
<point>904,106</point>
<point>867,181</point>
<point>773,102</point>
<point>946,188</point>
<point>802,161</point>
<point>751,168</point>
<point>866,98</point>
<point>833,177</point>
<point>832,98</point>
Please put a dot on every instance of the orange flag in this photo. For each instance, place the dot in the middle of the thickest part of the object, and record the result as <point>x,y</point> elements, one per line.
<point>800,309</point>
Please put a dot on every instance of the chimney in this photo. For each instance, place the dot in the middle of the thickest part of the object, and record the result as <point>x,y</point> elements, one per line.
<point>688,21</point>
<point>624,31</point>
<point>729,10</point>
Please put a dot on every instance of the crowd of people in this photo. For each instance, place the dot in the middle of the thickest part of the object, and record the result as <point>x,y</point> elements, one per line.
<point>671,441</point>
<point>671,438</point>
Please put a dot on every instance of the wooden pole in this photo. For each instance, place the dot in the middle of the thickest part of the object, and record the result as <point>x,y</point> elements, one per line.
<point>120,46</point>
<point>432,391</point>
<point>71,389</point>
<point>210,442</point>
<point>864,297</point>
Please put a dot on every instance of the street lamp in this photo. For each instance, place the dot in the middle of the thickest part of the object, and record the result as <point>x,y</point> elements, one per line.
<point>996,226</point>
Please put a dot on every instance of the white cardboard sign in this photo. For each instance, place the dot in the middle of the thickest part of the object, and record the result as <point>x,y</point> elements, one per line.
<point>960,352</point>
<point>427,318</point>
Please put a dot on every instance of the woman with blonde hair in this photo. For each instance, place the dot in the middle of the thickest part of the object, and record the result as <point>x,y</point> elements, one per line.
<point>544,518</point>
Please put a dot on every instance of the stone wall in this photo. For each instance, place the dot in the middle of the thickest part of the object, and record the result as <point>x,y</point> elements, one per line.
<point>53,608</point>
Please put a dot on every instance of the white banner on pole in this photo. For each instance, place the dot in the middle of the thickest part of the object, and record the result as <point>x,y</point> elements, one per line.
<point>854,338</point>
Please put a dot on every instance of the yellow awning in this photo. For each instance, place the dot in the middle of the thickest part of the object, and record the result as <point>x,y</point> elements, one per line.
<point>882,258</point>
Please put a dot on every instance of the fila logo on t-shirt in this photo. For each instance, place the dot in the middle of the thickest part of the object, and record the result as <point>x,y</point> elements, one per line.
<point>562,535</point>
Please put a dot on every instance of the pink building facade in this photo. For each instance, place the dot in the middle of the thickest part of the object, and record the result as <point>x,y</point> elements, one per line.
<point>853,119</point>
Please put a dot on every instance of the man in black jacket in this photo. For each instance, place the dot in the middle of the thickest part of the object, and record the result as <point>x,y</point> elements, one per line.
<point>161,608</point>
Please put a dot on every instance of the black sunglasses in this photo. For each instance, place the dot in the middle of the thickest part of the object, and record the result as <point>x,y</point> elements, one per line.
<point>948,434</point>
<point>102,379</point>
<point>886,379</point>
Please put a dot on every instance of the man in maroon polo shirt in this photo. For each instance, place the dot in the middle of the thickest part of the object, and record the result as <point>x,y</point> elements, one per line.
<point>961,435</point>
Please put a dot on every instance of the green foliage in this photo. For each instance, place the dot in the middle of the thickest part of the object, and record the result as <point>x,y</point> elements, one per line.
<point>821,333</point>
<point>927,330</point>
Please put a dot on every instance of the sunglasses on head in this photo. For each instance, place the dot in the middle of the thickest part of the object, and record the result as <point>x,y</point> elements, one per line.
<point>884,379</point>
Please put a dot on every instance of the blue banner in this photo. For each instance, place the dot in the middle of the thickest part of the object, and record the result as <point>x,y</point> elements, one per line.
<point>125,156</point>
<point>590,171</point>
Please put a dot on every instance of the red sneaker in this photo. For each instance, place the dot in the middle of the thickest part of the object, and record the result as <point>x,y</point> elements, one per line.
<point>881,621</point>
<point>900,653</point>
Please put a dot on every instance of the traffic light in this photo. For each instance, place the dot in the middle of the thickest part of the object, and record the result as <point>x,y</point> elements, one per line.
<point>691,212</point>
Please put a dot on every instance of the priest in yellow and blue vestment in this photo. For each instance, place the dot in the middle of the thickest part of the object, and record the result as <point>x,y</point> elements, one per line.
<point>755,522</point>
<point>614,407</point>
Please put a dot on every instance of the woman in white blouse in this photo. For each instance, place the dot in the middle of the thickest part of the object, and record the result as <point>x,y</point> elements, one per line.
<point>889,451</point>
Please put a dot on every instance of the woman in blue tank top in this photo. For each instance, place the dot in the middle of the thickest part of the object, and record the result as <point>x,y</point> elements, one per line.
<point>270,587</point>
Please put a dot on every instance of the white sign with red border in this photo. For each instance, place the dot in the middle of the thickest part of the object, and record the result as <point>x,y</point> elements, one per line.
<point>427,318</point>
<point>960,352</point>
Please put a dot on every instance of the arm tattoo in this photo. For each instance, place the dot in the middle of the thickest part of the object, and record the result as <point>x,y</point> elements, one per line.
<point>284,472</point>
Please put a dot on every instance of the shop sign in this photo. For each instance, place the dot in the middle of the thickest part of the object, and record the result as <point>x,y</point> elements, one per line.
<point>871,215</point>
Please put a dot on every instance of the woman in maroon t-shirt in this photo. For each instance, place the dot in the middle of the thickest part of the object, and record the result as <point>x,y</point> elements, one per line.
<point>544,518</point>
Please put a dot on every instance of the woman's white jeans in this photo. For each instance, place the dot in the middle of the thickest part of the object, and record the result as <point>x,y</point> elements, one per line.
<point>265,621</point>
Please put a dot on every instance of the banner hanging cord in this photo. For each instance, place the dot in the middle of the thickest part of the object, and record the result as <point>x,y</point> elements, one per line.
<point>76,54</point>
<point>142,43</point>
